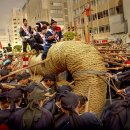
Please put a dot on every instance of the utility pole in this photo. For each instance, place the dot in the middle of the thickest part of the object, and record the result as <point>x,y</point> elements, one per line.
<point>91,20</point>
<point>87,35</point>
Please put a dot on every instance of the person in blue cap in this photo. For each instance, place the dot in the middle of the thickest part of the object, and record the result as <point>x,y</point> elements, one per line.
<point>7,68</point>
<point>34,116</point>
<point>23,79</point>
<point>53,36</point>
<point>53,104</point>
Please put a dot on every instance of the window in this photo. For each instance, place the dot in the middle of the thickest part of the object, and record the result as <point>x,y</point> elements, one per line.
<point>107,28</point>
<point>14,19</point>
<point>95,30</point>
<point>105,13</point>
<point>82,21</point>
<point>99,15</point>
<point>90,30</point>
<point>101,29</point>
<point>112,11</point>
<point>57,4</point>
<point>119,9</point>
<point>94,16</point>
<point>53,11</point>
<point>66,11</point>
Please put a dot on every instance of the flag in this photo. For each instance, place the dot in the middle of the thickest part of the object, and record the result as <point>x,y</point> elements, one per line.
<point>87,9</point>
<point>0,45</point>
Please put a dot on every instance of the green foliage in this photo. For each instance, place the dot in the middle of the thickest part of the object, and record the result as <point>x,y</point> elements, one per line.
<point>69,36</point>
<point>17,48</point>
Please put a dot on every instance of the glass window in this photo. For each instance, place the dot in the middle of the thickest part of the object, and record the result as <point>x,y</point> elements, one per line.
<point>119,9</point>
<point>112,11</point>
<point>57,4</point>
<point>99,15</point>
<point>101,29</point>
<point>82,21</point>
<point>105,13</point>
<point>107,28</point>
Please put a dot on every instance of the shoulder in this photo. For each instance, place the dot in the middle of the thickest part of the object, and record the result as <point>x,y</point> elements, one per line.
<point>46,112</point>
<point>18,113</point>
<point>90,119</point>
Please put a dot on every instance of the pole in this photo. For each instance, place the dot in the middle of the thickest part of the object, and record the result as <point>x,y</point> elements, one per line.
<point>91,20</point>
<point>41,62</point>
<point>97,18</point>
<point>87,37</point>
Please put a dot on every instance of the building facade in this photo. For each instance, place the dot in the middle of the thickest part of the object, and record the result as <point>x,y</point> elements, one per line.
<point>4,40</point>
<point>38,10</point>
<point>15,22</point>
<point>106,19</point>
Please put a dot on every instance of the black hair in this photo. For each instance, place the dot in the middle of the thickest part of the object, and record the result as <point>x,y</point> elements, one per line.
<point>69,102</point>
<point>51,77</point>
<point>82,99</point>
<point>24,20</point>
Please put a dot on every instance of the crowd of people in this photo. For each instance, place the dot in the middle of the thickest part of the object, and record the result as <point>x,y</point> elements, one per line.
<point>42,37</point>
<point>31,105</point>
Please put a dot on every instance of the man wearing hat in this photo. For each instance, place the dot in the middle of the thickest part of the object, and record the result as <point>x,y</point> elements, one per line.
<point>34,116</point>
<point>40,37</point>
<point>53,35</point>
<point>7,68</point>
<point>23,79</point>
<point>25,34</point>
<point>48,84</point>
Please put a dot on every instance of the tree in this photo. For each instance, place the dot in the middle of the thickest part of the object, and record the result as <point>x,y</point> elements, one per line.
<point>69,36</point>
<point>17,48</point>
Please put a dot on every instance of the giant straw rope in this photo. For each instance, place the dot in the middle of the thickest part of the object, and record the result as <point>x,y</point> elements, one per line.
<point>84,62</point>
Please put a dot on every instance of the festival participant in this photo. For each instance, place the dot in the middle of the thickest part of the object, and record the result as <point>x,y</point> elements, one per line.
<point>53,36</point>
<point>117,115</point>
<point>33,117</point>
<point>53,105</point>
<point>48,84</point>
<point>23,79</point>
<point>25,34</point>
<point>7,68</point>
<point>70,105</point>
<point>40,37</point>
